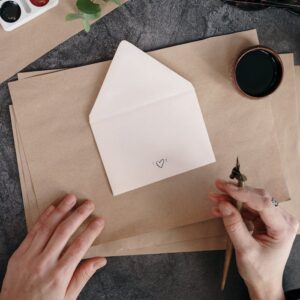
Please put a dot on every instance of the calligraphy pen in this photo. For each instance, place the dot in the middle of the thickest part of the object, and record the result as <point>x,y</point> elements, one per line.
<point>235,174</point>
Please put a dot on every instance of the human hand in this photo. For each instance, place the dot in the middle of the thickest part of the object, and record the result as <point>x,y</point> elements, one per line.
<point>262,236</point>
<point>45,266</point>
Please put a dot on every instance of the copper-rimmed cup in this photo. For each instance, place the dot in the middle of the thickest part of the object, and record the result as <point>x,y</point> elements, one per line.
<point>258,72</point>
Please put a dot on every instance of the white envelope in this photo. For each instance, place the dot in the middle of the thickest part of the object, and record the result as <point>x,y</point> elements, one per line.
<point>147,122</point>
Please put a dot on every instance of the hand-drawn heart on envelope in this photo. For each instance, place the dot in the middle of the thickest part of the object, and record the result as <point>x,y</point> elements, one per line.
<point>160,163</point>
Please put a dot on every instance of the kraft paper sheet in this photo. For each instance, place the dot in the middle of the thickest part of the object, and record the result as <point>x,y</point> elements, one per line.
<point>186,250</point>
<point>186,244</point>
<point>167,204</point>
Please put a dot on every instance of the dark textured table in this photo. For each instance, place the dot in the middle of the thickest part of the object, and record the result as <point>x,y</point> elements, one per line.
<point>149,24</point>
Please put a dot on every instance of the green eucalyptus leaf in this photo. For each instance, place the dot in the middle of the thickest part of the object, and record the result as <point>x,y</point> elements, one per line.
<point>73,16</point>
<point>86,25</point>
<point>91,16</point>
<point>88,6</point>
<point>117,2</point>
<point>88,11</point>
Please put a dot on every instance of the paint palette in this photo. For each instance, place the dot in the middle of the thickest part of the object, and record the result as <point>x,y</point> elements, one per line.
<point>14,13</point>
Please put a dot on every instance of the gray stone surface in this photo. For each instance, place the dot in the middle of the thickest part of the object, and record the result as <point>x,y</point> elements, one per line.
<point>149,24</point>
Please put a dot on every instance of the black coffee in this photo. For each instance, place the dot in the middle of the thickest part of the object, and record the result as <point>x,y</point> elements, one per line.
<point>258,73</point>
<point>10,11</point>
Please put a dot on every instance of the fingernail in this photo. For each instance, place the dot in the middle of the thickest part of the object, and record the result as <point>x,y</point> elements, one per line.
<point>70,200</point>
<point>99,222</point>
<point>213,195</point>
<point>225,210</point>
<point>232,186</point>
<point>99,264</point>
<point>221,181</point>
<point>49,210</point>
<point>89,204</point>
<point>216,211</point>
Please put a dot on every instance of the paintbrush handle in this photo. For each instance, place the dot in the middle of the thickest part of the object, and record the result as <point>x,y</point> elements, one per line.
<point>228,253</point>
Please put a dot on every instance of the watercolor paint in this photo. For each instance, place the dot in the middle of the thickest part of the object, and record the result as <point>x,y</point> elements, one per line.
<point>15,13</point>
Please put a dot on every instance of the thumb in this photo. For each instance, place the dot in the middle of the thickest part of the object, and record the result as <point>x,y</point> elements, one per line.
<point>82,275</point>
<point>235,227</point>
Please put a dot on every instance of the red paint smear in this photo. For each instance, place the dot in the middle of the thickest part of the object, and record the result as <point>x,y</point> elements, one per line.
<point>39,3</point>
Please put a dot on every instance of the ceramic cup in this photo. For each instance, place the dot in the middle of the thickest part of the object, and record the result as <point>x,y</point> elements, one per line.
<point>258,72</point>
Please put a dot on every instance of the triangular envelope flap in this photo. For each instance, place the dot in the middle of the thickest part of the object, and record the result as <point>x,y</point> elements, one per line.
<point>135,79</point>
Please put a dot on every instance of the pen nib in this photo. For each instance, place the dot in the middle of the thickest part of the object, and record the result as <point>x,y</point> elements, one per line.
<point>236,174</point>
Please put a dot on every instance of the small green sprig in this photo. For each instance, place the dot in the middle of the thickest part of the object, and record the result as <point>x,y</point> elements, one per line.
<point>87,12</point>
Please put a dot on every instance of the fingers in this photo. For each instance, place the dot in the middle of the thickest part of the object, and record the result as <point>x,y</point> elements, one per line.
<point>31,234</point>
<point>67,228</point>
<point>83,274</point>
<point>216,198</point>
<point>257,199</point>
<point>235,227</point>
<point>75,252</point>
<point>46,229</point>
<point>260,201</point>
<point>293,223</point>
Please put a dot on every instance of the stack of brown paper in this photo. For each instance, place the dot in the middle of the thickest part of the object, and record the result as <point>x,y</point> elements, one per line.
<point>160,222</point>
<point>44,33</point>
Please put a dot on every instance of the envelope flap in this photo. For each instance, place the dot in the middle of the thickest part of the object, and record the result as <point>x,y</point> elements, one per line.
<point>135,79</point>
